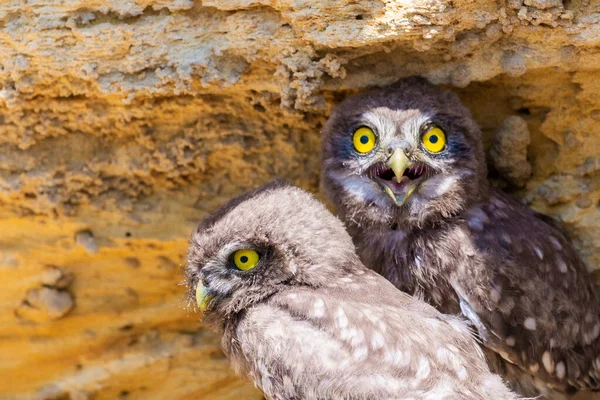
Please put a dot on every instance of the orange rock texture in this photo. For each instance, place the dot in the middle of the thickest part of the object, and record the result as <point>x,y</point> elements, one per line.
<point>123,122</point>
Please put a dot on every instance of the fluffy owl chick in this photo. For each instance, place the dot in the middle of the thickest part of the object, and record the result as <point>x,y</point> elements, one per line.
<point>405,169</point>
<point>277,274</point>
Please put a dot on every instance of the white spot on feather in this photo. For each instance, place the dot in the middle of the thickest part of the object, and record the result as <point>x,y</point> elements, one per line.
<point>342,320</point>
<point>462,373</point>
<point>539,253</point>
<point>445,185</point>
<point>475,224</point>
<point>477,219</point>
<point>548,362</point>
<point>595,332</point>
<point>560,370</point>
<point>448,355</point>
<point>589,317</point>
<point>361,353</point>
<point>292,267</point>
<point>418,262</point>
<point>370,316</point>
<point>530,324</point>
<point>534,368</point>
<point>443,355</point>
<point>377,341</point>
<point>511,341</point>
<point>495,295</point>
<point>556,243</point>
<point>497,202</point>
<point>318,308</point>
<point>424,369</point>
<point>344,334</point>
<point>397,357</point>
<point>355,336</point>
<point>562,265</point>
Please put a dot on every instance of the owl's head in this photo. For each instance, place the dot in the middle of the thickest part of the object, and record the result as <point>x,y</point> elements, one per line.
<point>260,243</point>
<point>404,155</point>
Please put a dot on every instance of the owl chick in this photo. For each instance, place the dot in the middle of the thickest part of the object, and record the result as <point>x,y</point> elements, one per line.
<point>405,169</point>
<point>277,274</point>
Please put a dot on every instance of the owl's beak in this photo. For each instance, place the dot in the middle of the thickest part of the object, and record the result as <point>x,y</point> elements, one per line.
<point>202,297</point>
<point>398,162</point>
<point>403,189</point>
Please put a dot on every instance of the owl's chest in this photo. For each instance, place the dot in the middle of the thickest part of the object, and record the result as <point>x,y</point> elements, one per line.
<point>419,262</point>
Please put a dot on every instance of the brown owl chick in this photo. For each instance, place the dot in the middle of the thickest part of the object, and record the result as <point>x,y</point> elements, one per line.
<point>405,168</point>
<point>277,274</point>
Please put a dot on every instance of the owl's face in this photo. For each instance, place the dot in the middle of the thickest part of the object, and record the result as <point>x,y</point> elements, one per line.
<point>402,155</point>
<point>261,243</point>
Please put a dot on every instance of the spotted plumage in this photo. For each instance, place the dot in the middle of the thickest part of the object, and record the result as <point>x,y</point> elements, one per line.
<point>441,232</point>
<point>309,321</point>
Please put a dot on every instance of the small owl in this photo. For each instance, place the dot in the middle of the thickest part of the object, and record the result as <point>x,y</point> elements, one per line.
<point>405,169</point>
<point>278,276</point>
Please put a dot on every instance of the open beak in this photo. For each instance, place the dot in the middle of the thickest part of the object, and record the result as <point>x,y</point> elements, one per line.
<point>398,162</point>
<point>202,297</point>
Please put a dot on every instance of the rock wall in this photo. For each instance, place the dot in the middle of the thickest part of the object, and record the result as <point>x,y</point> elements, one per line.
<point>123,122</point>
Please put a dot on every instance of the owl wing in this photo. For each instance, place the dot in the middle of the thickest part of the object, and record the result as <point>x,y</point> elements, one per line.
<point>361,338</point>
<point>530,296</point>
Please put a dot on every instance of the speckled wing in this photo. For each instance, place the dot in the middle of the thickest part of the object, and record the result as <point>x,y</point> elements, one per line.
<point>536,307</point>
<point>361,338</point>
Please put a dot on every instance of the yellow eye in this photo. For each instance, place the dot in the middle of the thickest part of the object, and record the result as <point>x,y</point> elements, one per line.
<point>364,140</point>
<point>434,140</point>
<point>245,259</point>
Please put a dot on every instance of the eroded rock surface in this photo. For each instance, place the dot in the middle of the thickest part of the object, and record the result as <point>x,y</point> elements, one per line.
<point>509,151</point>
<point>123,122</point>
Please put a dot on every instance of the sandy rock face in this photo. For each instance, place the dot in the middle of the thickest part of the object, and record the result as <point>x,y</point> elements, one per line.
<point>124,122</point>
